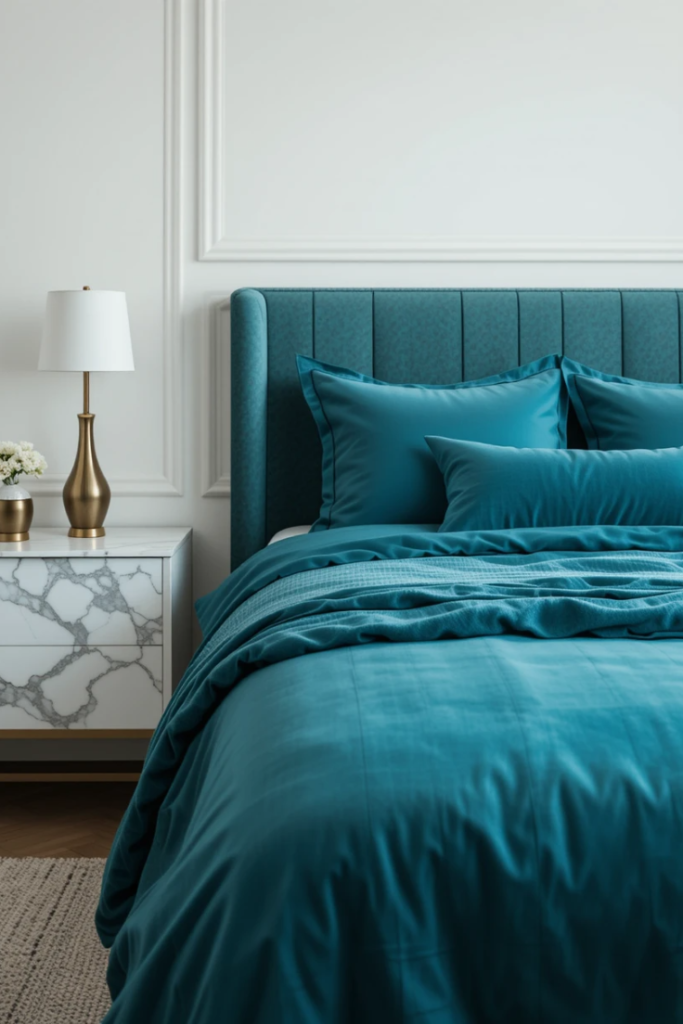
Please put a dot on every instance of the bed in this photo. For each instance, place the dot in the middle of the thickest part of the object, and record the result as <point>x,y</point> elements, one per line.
<point>414,775</point>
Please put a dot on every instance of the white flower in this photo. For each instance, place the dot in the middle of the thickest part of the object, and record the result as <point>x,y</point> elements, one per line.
<point>16,459</point>
<point>32,462</point>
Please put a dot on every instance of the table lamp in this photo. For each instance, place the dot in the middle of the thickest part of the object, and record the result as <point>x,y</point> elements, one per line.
<point>86,331</point>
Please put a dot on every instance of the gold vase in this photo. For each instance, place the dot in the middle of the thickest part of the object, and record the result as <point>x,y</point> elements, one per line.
<point>16,515</point>
<point>86,491</point>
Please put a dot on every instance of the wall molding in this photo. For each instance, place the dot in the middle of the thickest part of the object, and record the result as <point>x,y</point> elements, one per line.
<point>209,127</point>
<point>174,393</point>
<point>448,250</point>
<point>51,485</point>
<point>216,244</point>
<point>168,483</point>
<point>215,399</point>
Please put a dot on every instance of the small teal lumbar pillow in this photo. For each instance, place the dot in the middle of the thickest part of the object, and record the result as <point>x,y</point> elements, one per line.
<point>377,467</point>
<point>491,487</point>
<point>619,412</point>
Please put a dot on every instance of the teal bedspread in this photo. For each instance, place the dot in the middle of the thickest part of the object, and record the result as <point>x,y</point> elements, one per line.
<point>413,776</point>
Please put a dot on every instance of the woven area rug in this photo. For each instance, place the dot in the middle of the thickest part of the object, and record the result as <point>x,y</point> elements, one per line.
<point>52,966</point>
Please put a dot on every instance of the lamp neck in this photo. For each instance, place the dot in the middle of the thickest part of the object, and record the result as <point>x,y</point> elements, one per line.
<point>86,391</point>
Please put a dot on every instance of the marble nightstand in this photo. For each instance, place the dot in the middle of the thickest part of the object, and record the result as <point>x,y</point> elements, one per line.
<point>94,634</point>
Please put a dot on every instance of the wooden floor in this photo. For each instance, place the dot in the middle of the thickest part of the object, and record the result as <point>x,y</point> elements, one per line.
<point>60,819</point>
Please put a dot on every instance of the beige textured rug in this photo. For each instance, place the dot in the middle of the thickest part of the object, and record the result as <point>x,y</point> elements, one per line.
<point>52,966</point>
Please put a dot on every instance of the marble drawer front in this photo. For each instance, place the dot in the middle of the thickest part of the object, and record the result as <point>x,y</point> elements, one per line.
<point>80,687</point>
<point>81,601</point>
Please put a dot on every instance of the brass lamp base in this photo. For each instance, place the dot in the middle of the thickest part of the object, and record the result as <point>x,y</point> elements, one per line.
<point>14,538</point>
<point>86,491</point>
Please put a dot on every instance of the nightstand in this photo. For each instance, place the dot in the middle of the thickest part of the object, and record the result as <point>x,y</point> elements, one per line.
<point>94,634</point>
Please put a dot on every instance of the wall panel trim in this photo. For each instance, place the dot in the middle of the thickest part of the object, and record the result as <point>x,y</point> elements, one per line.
<point>216,244</point>
<point>215,399</point>
<point>169,482</point>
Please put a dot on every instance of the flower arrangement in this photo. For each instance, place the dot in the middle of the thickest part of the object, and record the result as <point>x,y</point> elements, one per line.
<point>19,458</point>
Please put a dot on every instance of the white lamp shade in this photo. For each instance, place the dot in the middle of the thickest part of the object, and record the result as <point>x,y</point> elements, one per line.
<point>86,330</point>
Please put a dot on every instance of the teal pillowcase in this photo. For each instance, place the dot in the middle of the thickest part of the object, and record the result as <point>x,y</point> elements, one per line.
<point>490,487</point>
<point>618,412</point>
<point>377,467</point>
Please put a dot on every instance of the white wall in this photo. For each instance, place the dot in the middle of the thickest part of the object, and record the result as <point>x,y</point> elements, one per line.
<point>391,127</point>
<point>181,149</point>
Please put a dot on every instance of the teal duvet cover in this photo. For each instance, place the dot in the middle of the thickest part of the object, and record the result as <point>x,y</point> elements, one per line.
<point>416,776</point>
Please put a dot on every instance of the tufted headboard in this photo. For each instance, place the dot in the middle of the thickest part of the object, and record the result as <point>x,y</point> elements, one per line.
<point>420,336</point>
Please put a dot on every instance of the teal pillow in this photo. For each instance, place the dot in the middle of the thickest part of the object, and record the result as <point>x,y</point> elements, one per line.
<point>377,467</point>
<point>490,487</point>
<point>618,412</point>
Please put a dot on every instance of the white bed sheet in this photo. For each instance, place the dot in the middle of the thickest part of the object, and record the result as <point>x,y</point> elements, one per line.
<point>291,531</point>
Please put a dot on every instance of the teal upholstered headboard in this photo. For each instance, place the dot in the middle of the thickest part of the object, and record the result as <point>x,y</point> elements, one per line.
<point>420,336</point>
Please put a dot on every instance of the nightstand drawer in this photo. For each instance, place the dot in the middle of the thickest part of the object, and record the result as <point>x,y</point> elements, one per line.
<point>81,601</point>
<point>80,688</point>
